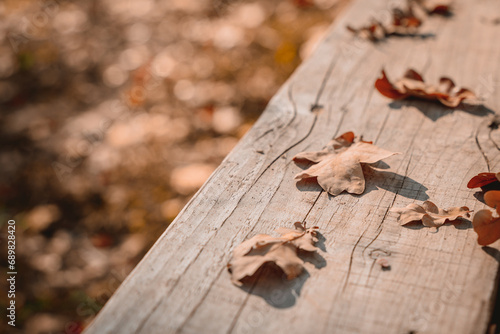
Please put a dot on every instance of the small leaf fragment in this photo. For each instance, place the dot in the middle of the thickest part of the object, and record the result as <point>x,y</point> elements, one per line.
<point>338,166</point>
<point>412,85</point>
<point>383,262</point>
<point>252,254</point>
<point>429,214</point>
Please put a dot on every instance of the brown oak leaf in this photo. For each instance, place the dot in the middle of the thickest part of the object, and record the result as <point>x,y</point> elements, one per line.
<point>485,181</point>
<point>338,166</point>
<point>429,214</point>
<point>486,226</point>
<point>253,253</point>
<point>404,22</point>
<point>412,85</point>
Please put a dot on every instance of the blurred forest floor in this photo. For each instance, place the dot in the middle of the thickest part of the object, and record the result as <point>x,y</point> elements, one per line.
<point>113,114</point>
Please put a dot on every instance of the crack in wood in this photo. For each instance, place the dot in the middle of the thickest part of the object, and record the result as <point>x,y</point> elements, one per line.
<point>380,226</point>
<point>350,260</point>
<point>290,96</point>
<point>294,114</point>
<point>312,206</point>
<point>143,322</point>
<point>480,148</point>
<point>328,73</point>
<point>493,141</point>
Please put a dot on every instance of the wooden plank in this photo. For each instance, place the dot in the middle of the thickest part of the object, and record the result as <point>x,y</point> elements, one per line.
<point>438,283</point>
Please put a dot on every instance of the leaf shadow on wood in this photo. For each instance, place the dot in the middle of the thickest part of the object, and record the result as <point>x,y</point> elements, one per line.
<point>434,110</point>
<point>493,252</point>
<point>421,36</point>
<point>393,182</point>
<point>377,179</point>
<point>270,283</point>
<point>479,195</point>
<point>459,224</point>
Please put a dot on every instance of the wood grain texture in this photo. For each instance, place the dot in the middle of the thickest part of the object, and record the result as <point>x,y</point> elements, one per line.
<point>438,282</point>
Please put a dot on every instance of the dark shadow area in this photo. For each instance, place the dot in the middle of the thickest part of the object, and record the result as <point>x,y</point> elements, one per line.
<point>479,195</point>
<point>382,165</point>
<point>493,252</point>
<point>320,244</point>
<point>416,225</point>
<point>396,183</point>
<point>459,224</point>
<point>421,36</point>
<point>310,184</point>
<point>462,224</point>
<point>434,110</point>
<point>270,283</point>
<point>492,186</point>
<point>494,325</point>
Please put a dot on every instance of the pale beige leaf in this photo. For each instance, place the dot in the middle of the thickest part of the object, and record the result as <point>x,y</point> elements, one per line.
<point>429,214</point>
<point>340,169</point>
<point>252,254</point>
<point>333,147</point>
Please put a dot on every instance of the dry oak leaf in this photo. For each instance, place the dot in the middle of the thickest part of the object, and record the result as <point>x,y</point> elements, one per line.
<point>412,85</point>
<point>252,254</point>
<point>486,226</point>
<point>429,214</point>
<point>338,166</point>
<point>404,22</point>
<point>485,181</point>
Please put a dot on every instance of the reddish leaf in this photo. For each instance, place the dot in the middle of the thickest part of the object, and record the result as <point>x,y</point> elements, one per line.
<point>482,179</point>
<point>432,7</point>
<point>413,85</point>
<point>385,88</point>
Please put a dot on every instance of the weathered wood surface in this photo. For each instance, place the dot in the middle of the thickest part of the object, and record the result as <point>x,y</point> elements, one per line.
<point>438,283</point>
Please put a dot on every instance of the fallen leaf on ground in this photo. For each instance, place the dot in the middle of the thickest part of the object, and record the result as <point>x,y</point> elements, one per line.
<point>429,214</point>
<point>412,85</point>
<point>404,22</point>
<point>486,226</point>
<point>485,181</point>
<point>252,254</point>
<point>338,166</point>
<point>432,7</point>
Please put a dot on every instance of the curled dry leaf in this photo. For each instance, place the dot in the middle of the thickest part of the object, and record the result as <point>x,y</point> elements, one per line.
<point>412,85</point>
<point>404,22</point>
<point>431,7</point>
<point>429,214</point>
<point>338,166</point>
<point>486,226</point>
<point>485,181</point>
<point>261,249</point>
